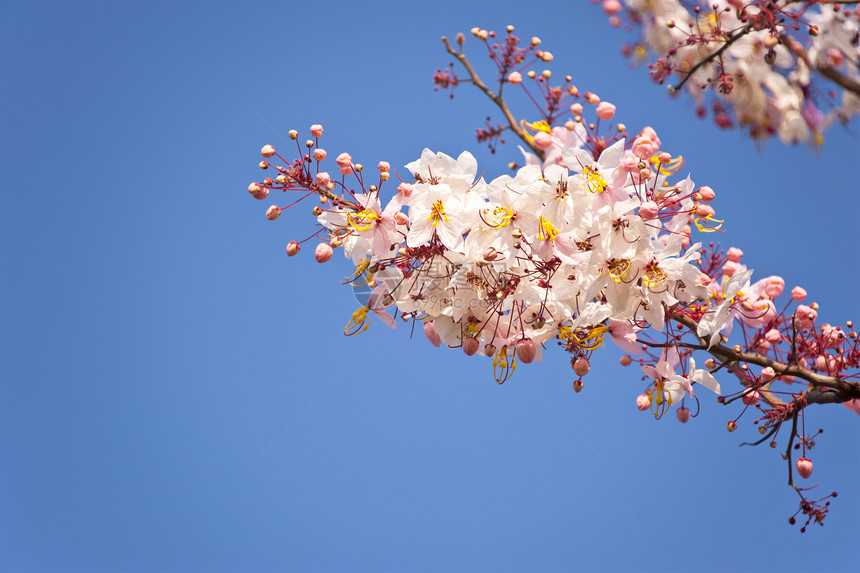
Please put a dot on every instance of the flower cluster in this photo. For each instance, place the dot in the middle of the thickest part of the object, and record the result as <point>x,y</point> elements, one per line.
<point>753,62</point>
<point>590,241</point>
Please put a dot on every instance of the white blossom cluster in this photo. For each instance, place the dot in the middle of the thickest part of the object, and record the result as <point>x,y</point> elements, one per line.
<point>571,251</point>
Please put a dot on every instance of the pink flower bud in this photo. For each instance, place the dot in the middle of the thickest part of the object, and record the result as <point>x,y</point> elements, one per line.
<point>323,252</point>
<point>625,360</point>
<point>773,336</point>
<point>316,130</point>
<point>649,210</point>
<point>319,154</point>
<point>805,316</point>
<point>734,254</point>
<point>704,194</point>
<point>683,414</point>
<point>762,346</point>
<point>730,268</point>
<point>490,254</point>
<point>768,373</point>
<point>400,218</point>
<point>703,279</point>
<point>750,398</point>
<point>543,140</point>
<point>651,134</point>
<point>430,333</point>
<point>612,6</point>
<point>804,467</point>
<point>643,402</point>
<point>405,189</point>
<point>798,294</point>
<point>774,287</point>
<point>383,166</point>
<point>267,151</point>
<point>581,367</point>
<point>576,108</point>
<point>257,191</point>
<point>644,147</point>
<point>592,98</point>
<point>515,78</point>
<point>577,386</point>
<point>273,213</point>
<point>605,110</point>
<point>323,179</point>
<point>470,346</point>
<point>293,248</point>
<point>526,350</point>
<point>731,426</point>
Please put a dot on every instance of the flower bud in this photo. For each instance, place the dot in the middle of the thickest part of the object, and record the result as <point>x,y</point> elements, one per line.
<point>515,78</point>
<point>316,130</point>
<point>576,108</point>
<point>526,350</point>
<point>543,140</point>
<point>804,467</point>
<point>257,191</point>
<point>592,98</point>
<point>734,254</point>
<point>683,414</point>
<point>293,248</point>
<point>319,154</point>
<point>773,336</point>
<point>643,402</point>
<point>294,134</point>
<point>577,386</point>
<point>605,110</point>
<point>798,294</point>
<point>323,178</point>
<point>470,346</point>
<point>490,254</point>
<point>805,316</point>
<point>649,210</point>
<point>323,252</point>
<point>644,147</point>
<point>625,360</point>
<point>400,218</point>
<point>489,350</point>
<point>273,213</point>
<point>581,367</point>
<point>405,189</point>
<point>267,151</point>
<point>731,426</point>
<point>704,194</point>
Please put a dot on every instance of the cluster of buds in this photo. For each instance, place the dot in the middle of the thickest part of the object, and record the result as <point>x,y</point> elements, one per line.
<point>753,62</point>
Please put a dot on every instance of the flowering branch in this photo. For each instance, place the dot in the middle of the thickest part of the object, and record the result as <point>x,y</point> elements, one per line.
<point>591,239</point>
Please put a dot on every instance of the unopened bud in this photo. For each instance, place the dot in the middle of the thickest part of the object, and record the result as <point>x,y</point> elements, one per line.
<point>577,386</point>
<point>267,151</point>
<point>580,367</point>
<point>323,252</point>
<point>625,360</point>
<point>750,398</point>
<point>263,165</point>
<point>293,248</point>
<point>731,426</point>
<point>526,350</point>
<point>317,211</point>
<point>273,213</point>
<point>294,134</point>
<point>316,130</point>
<point>489,350</point>
<point>804,467</point>
<point>683,414</point>
<point>643,402</point>
<point>470,346</point>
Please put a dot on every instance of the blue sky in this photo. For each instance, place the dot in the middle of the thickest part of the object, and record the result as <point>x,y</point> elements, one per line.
<point>177,395</point>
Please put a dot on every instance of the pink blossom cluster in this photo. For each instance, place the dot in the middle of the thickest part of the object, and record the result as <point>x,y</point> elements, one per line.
<point>756,63</point>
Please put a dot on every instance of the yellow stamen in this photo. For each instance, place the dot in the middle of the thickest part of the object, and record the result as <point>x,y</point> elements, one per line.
<point>654,276</point>
<point>536,127</point>
<point>596,182</point>
<point>500,218</point>
<point>546,230</point>
<point>675,164</point>
<point>504,365</point>
<point>363,220</point>
<point>358,323</point>
<point>437,213</point>
<point>619,270</point>
<point>708,227</point>
<point>585,337</point>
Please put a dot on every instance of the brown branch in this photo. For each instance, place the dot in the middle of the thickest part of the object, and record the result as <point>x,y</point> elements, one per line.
<point>826,389</point>
<point>496,99</point>
<point>828,72</point>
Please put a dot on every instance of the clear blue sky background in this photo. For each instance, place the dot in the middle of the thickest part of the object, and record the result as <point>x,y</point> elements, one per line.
<point>176,394</point>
